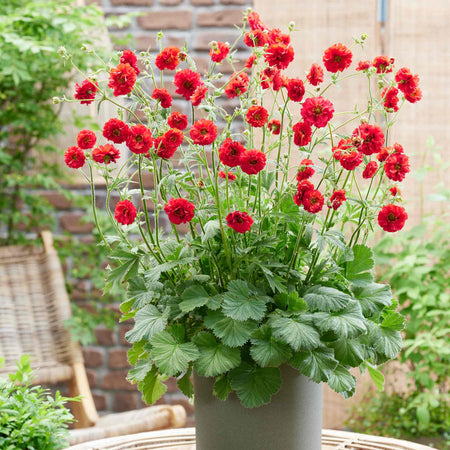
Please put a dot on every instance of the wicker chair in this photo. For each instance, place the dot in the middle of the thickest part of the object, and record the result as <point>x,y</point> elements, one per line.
<point>34,305</point>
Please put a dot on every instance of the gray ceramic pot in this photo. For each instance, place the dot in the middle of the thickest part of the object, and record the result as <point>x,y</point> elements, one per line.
<point>292,421</point>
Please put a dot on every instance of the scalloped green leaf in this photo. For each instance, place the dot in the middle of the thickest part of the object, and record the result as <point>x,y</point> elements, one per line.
<point>347,323</point>
<point>151,387</point>
<point>215,358</point>
<point>373,297</point>
<point>148,321</point>
<point>297,334</point>
<point>326,299</point>
<point>170,356</point>
<point>266,350</point>
<point>349,352</point>
<point>394,321</point>
<point>255,385</point>
<point>386,341</point>
<point>240,304</point>
<point>185,384</point>
<point>317,364</point>
<point>342,381</point>
<point>232,332</point>
<point>363,261</point>
<point>193,297</point>
<point>222,387</point>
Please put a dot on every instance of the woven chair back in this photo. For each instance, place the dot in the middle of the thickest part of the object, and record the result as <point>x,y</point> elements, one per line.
<point>33,309</point>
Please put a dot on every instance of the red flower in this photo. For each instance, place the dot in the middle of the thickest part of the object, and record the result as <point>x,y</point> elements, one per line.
<point>162,150</point>
<point>275,36</point>
<point>115,130</point>
<point>168,59</point>
<point>74,157</point>
<point>86,139</point>
<point>295,89</point>
<point>86,92</point>
<point>122,79</point>
<point>179,210</point>
<point>105,154</point>
<point>351,160</point>
<point>313,201</point>
<point>173,138</point>
<point>237,85</point>
<point>371,138</point>
<point>257,116</point>
<point>139,139</point>
<point>252,161</point>
<point>203,132</point>
<point>414,96</point>
<point>230,152</point>
<point>392,218</point>
<point>177,120</point>
<point>219,51</point>
<point>163,96</point>
<point>302,134</point>
<point>255,38</point>
<point>128,57</point>
<point>343,145</point>
<point>394,190</point>
<point>383,63</point>
<point>302,188</point>
<point>338,197</point>
<point>315,75</point>
<point>274,126</point>
<point>390,99</point>
<point>254,21</point>
<point>396,166</point>
<point>186,82</point>
<point>279,81</point>
<point>250,61</point>
<point>337,58</point>
<point>407,82</point>
<point>370,170</point>
<point>317,111</point>
<point>279,56</point>
<point>125,212</point>
<point>231,176</point>
<point>384,153</point>
<point>239,221</point>
<point>199,94</point>
<point>363,65</point>
<point>305,170</point>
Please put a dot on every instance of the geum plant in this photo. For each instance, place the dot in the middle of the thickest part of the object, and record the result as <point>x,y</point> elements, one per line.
<point>272,266</point>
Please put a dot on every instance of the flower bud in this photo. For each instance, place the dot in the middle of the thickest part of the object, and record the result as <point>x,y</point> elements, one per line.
<point>57,100</point>
<point>200,183</point>
<point>364,37</point>
<point>62,51</point>
<point>182,56</point>
<point>159,36</point>
<point>291,26</point>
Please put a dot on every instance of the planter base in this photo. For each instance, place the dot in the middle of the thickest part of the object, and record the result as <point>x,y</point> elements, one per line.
<point>292,421</point>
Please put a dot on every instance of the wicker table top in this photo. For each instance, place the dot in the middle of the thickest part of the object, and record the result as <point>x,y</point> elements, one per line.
<point>184,439</point>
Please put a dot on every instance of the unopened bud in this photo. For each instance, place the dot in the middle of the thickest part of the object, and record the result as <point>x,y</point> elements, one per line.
<point>159,36</point>
<point>200,183</point>
<point>364,37</point>
<point>62,51</point>
<point>182,56</point>
<point>291,26</point>
<point>57,100</point>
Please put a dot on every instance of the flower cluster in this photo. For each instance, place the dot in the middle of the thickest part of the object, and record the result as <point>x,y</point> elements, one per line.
<point>246,221</point>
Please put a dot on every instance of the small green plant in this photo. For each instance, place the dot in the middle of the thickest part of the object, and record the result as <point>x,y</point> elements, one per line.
<point>416,265</point>
<point>30,419</point>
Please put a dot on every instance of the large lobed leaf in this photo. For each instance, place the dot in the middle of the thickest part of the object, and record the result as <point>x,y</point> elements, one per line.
<point>326,299</point>
<point>266,350</point>
<point>148,321</point>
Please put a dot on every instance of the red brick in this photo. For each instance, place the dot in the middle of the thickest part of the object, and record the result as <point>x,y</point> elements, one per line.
<point>105,336</point>
<point>58,200</point>
<point>148,179</point>
<point>125,401</point>
<point>185,403</point>
<point>100,401</point>
<point>118,380</point>
<point>123,330</point>
<point>71,222</point>
<point>92,377</point>
<point>170,2</point>
<point>202,2</point>
<point>224,18</point>
<point>171,384</point>
<point>233,2</point>
<point>202,40</point>
<point>145,42</point>
<point>92,357</point>
<point>162,20</point>
<point>190,422</point>
<point>117,358</point>
<point>131,2</point>
<point>175,41</point>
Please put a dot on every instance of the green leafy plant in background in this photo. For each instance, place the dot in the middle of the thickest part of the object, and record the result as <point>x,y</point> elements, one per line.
<point>31,73</point>
<point>30,418</point>
<point>416,265</point>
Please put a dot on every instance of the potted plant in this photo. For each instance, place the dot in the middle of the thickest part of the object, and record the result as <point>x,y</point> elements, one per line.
<point>261,288</point>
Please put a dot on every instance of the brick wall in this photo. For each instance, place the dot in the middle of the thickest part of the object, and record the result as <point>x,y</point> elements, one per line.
<point>196,22</point>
